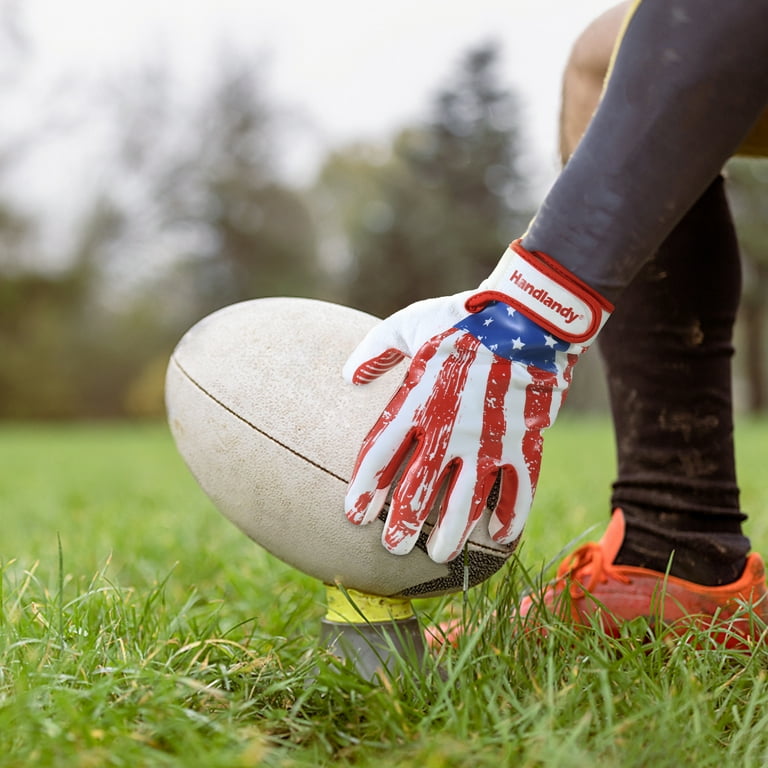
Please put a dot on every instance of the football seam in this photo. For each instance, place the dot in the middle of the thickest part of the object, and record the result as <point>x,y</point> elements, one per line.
<point>252,425</point>
<point>427,526</point>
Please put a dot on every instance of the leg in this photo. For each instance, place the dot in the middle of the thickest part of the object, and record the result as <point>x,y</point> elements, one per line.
<point>668,354</point>
<point>668,350</point>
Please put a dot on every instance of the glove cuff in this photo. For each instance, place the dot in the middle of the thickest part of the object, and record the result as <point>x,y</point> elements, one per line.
<point>546,292</point>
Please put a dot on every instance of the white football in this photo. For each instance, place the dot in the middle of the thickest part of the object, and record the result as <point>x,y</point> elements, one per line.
<point>270,430</point>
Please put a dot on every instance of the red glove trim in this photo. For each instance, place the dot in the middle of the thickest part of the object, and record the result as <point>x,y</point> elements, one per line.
<point>531,299</point>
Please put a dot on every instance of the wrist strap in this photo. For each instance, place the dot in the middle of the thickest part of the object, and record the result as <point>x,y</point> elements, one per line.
<point>546,292</point>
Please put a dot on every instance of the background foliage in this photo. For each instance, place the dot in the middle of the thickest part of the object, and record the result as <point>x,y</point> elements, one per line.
<point>190,212</point>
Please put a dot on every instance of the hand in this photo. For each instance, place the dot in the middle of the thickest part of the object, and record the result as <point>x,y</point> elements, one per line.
<point>489,370</point>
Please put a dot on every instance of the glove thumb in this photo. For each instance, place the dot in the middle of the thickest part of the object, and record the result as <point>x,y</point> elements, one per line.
<point>361,369</point>
<point>401,335</point>
<point>378,352</point>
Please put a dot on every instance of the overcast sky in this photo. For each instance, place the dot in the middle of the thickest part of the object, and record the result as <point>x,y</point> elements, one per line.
<point>356,68</point>
<point>350,69</point>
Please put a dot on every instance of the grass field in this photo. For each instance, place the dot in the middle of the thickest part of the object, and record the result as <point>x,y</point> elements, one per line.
<point>139,628</point>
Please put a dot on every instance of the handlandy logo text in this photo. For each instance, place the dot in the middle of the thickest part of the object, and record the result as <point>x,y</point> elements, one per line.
<point>542,295</point>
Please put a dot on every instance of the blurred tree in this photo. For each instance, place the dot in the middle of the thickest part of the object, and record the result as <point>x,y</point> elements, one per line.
<point>191,215</point>
<point>748,194</point>
<point>49,321</point>
<point>39,375</point>
<point>432,215</point>
<point>203,221</point>
<point>16,227</point>
<point>212,193</point>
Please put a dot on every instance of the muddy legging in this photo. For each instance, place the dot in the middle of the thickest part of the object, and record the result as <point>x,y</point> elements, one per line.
<point>668,354</point>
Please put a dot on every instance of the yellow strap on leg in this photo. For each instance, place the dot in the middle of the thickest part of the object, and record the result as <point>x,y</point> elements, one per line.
<point>624,24</point>
<point>348,606</point>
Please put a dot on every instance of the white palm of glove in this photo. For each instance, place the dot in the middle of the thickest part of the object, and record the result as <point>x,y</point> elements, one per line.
<point>481,387</point>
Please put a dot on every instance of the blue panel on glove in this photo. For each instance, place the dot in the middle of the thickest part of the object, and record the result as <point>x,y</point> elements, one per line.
<point>510,334</point>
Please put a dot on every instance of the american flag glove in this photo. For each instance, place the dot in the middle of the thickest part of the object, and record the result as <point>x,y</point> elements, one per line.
<point>489,371</point>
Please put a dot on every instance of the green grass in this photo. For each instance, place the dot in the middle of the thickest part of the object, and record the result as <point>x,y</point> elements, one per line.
<point>138,627</point>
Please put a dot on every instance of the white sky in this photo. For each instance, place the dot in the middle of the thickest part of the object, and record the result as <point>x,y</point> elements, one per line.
<point>352,69</point>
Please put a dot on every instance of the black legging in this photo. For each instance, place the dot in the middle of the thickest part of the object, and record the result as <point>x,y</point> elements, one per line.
<point>667,350</point>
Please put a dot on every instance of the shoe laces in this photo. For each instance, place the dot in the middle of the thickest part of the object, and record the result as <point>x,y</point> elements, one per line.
<point>587,567</point>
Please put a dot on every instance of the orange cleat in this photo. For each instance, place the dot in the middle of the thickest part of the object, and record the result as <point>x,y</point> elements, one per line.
<point>590,587</point>
<point>590,590</point>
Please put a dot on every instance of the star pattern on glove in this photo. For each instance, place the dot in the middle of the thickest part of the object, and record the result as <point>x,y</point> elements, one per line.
<point>511,335</point>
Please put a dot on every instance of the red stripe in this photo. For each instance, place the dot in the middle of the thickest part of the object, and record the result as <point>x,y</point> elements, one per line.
<point>536,414</point>
<point>491,448</point>
<point>428,466</point>
<point>372,369</point>
<point>385,475</point>
<point>538,406</point>
<point>494,421</point>
<point>568,375</point>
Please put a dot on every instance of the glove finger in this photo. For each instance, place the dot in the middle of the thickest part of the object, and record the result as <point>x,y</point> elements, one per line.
<point>404,332</point>
<point>387,438</point>
<point>412,501</point>
<point>443,367</point>
<point>460,509</point>
<point>383,452</point>
<point>381,349</point>
<point>377,465</point>
<point>514,503</point>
